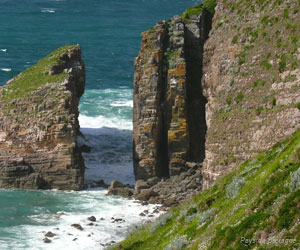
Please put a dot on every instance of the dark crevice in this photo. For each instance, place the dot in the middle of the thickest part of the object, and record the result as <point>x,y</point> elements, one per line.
<point>196,102</point>
<point>162,168</point>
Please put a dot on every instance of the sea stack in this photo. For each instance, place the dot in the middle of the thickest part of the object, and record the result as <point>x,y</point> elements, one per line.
<point>39,124</point>
<point>169,125</point>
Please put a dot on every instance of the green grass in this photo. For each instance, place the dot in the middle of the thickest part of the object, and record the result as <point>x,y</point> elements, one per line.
<point>198,9</point>
<point>264,207</point>
<point>36,76</point>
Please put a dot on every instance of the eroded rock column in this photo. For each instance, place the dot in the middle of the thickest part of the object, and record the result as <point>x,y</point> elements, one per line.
<point>169,109</point>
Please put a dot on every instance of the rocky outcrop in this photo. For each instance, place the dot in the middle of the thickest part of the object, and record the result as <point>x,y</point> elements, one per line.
<point>39,124</point>
<point>216,99</point>
<point>167,132</point>
<point>173,190</point>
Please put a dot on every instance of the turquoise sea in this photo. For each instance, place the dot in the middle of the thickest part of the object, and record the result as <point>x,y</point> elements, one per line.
<point>109,34</point>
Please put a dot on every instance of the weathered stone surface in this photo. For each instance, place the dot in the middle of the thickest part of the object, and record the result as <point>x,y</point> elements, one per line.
<point>118,188</point>
<point>167,131</point>
<point>216,100</point>
<point>77,226</point>
<point>172,190</point>
<point>251,92</point>
<point>147,113</point>
<point>39,124</point>
<point>140,184</point>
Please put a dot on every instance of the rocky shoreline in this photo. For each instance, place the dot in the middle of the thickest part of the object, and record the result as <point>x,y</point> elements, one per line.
<point>165,191</point>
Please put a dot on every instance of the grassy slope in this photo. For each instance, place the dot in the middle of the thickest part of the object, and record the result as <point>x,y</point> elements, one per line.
<point>258,201</point>
<point>36,76</point>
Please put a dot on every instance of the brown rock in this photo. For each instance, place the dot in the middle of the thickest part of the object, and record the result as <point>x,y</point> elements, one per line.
<point>78,226</point>
<point>167,91</point>
<point>118,188</point>
<point>46,240</point>
<point>92,218</point>
<point>140,184</point>
<point>116,184</point>
<point>50,234</point>
<point>38,148</point>
<point>170,202</point>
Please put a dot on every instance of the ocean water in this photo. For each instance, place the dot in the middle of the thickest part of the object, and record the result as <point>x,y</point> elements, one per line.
<point>109,34</point>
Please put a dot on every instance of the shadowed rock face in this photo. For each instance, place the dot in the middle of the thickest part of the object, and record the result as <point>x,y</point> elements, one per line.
<point>169,109</point>
<point>39,124</point>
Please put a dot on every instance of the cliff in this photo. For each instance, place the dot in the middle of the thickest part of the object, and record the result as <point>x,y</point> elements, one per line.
<point>216,90</point>
<point>251,81</point>
<point>39,124</point>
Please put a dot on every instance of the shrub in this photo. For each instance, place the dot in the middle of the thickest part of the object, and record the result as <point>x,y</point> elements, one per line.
<point>274,101</point>
<point>210,5</point>
<point>282,63</point>
<point>178,243</point>
<point>298,106</point>
<point>192,217</point>
<point>232,189</point>
<point>295,180</point>
<point>239,96</point>
<point>266,65</point>
<point>286,14</point>
<point>228,100</point>
<point>206,215</point>
<point>133,229</point>
<point>234,39</point>
<point>161,221</point>
<point>191,213</point>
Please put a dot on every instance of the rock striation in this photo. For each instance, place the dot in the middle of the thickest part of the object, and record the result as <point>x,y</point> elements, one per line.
<point>167,132</point>
<point>39,124</point>
<point>215,89</point>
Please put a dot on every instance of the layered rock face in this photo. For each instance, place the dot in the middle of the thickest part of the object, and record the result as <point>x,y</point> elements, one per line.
<point>167,89</point>
<point>222,103</point>
<point>39,124</point>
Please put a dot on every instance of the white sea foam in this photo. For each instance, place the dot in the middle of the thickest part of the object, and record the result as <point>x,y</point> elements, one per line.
<point>50,10</point>
<point>110,157</point>
<point>5,69</point>
<point>3,50</point>
<point>92,237</point>
<point>102,121</point>
<point>122,104</point>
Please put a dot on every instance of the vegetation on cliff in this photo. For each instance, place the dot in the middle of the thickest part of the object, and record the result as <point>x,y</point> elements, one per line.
<point>256,206</point>
<point>24,84</point>
<point>198,9</point>
<point>39,124</point>
<point>254,49</point>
